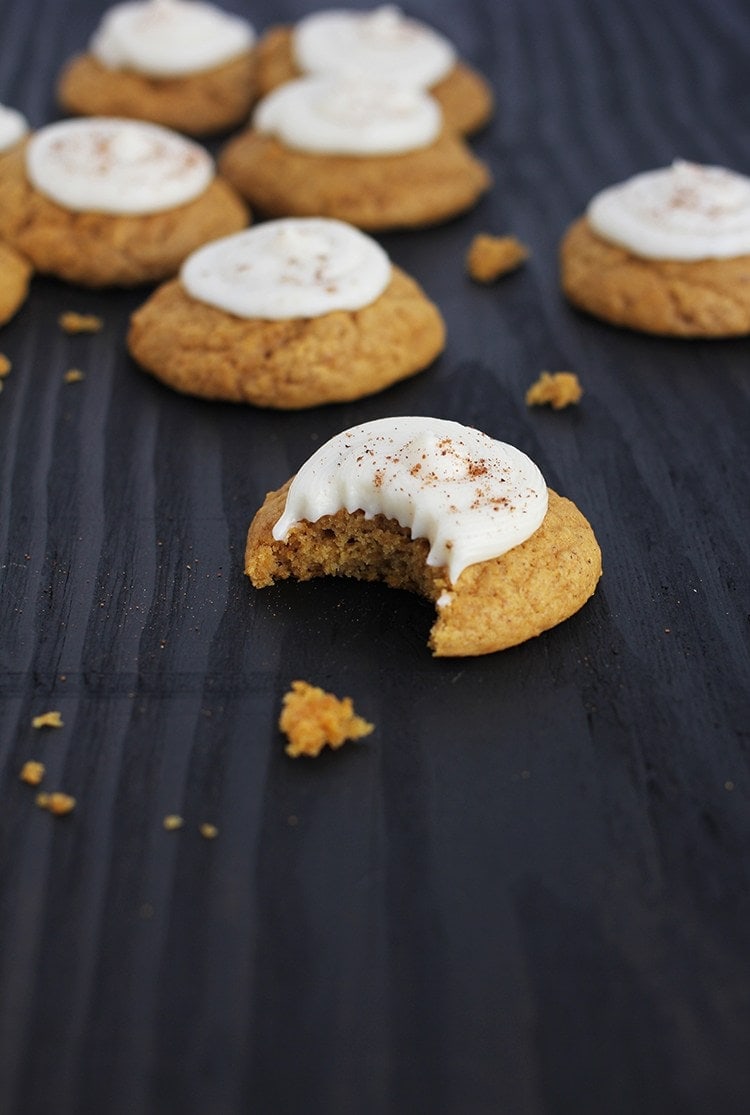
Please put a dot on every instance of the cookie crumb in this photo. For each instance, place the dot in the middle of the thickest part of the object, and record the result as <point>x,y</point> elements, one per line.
<point>47,720</point>
<point>56,802</point>
<point>208,831</point>
<point>5,366</point>
<point>32,772</point>
<point>72,322</point>
<point>312,718</point>
<point>172,822</point>
<point>559,389</point>
<point>74,375</point>
<point>489,257</point>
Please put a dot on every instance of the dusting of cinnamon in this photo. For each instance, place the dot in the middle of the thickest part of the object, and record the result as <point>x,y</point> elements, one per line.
<point>490,257</point>
<point>32,772</point>
<point>72,322</point>
<point>559,389</point>
<point>312,718</point>
<point>47,720</point>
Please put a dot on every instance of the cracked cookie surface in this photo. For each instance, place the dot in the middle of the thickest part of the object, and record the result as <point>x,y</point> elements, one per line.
<point>200,350</point>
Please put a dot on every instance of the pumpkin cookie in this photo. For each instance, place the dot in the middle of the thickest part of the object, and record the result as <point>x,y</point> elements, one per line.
<point>381,43</point>
<point>15,270</point>
<point>112,203</point>
<point>439,509</point>
<point>289,314</point>
<point>666,252</point>
<point>373,154</point>
<point>186,65</point>
<point>15,276</point>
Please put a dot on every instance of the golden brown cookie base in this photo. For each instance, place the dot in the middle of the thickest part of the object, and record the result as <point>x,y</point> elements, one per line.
<point>495,604</point>
<point>411,190</point>
<point>707,298</point>
<point>464,96</point>
<point>15,276</point>
<point>201,350</point>
<point>99,249</point>
<point>198,104</point>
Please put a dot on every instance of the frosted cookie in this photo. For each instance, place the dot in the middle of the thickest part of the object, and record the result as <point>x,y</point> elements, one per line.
<point>665,252</point>
<point>15,269</point>
<point>289,314</point>
<point>374,154</point>
<point>112,202</point>
<point>182,63</point>
<point>442,510</point>
<point>381,43</point>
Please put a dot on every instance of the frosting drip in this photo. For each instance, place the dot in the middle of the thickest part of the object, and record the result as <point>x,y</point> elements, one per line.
<point>472,498</point>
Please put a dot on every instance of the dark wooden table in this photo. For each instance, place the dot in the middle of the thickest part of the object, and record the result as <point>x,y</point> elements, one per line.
<point>527,891</point>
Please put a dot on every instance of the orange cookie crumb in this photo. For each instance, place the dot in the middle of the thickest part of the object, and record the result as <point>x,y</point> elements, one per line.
<point>57,803</point>
<point>489,257</point>
<point>5,365</point>
<point>312,718</point>
<point>208,831</point>
<point>72,322</point>
<point>74,375</point>
<point>47,720</point>
<point>559,389</point>
<point>172,822</point>
<point>32,772</point>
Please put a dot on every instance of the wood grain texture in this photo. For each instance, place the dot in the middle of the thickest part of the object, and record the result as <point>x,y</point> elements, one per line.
<point>527,891</point>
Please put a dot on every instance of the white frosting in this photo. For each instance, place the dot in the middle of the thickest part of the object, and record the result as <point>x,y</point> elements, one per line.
<point>167,38</point>
<point>13,127</point>
<point>377,44</point>
<point>473,498</point>
<point>349,116</point>
<point>295,268</point>
<point>102,165</point>
<point>683,212</point>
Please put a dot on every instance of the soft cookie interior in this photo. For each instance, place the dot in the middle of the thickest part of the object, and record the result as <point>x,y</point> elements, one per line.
<point>493,605</point>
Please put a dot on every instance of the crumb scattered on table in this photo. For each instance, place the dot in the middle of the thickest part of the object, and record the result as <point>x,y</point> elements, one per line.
<point>32,772</point>
<point>312,718</point>
<point>172,822</point>
<point>5,366</point>
<point>489,257</point>
<point>208,831</point>
<point>72,322</point>
<point>48,720</point>
<point>56,802</point>
<point>559,389</point>
<point>74,375</point>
